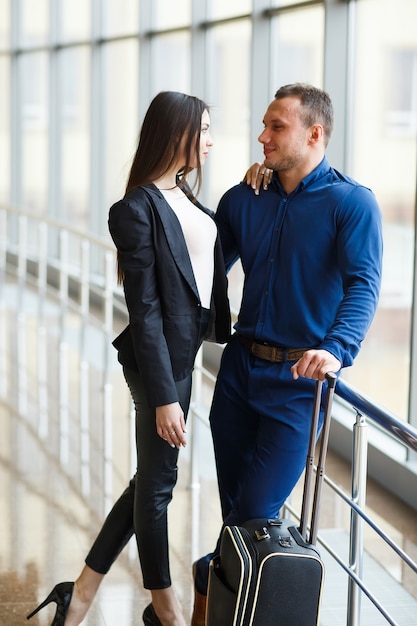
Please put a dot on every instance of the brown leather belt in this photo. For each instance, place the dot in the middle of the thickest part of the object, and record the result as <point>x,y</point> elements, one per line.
<point>272,353</point>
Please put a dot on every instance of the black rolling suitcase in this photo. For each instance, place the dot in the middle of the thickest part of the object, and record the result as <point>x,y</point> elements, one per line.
<point>268,572</point>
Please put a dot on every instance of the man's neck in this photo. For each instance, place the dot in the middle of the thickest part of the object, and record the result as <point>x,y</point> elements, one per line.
<point>289,179</point>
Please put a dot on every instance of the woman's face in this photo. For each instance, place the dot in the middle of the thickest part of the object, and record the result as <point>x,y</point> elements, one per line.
<point>205,138</point>
<point>205,141</point>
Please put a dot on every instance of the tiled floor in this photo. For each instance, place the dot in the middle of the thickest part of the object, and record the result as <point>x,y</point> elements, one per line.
<point>65,455</point>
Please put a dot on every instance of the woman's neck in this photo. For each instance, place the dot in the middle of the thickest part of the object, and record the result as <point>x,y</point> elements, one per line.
<point>167,181</point>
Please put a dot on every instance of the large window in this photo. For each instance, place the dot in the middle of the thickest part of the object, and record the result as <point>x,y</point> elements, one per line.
<point>121,119</point>
<point>32,178</point>
<point>172,63</point>
<point>384,159</point>
<point>74,124</point>
<point>218,9</point>
<point>4,130</point>
<point>4,24</point>
<point>34,25</point>
<point>297,47</point>
<point>75,19</point>
<point>167,14</point>
<point>120,18</point>
<point>76,77</point>
<point>228,96</point>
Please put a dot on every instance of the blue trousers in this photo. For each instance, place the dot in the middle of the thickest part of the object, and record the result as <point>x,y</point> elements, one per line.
<point>260,420</point>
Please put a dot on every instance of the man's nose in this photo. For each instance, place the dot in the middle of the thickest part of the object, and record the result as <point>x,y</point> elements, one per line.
<point>263,137</point>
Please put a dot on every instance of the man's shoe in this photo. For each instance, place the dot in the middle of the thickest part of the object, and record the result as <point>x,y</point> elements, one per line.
<point>200,603</point>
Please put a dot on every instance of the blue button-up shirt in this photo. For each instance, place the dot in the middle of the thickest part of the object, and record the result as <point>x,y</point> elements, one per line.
<point>311,259</point>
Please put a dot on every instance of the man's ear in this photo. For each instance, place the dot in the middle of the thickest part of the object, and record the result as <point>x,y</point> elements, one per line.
<point>316,133</point>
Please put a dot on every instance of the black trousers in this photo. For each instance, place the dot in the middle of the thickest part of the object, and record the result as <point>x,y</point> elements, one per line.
<point>142,507</point>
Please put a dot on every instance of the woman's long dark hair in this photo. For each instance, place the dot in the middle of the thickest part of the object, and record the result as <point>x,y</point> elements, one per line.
<point>172,123</point>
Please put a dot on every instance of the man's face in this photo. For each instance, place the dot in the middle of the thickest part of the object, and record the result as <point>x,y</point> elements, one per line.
<point>284,137</point>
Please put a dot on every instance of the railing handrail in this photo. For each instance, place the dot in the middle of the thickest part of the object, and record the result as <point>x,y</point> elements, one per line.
<point>100,242</point>
<point>399,429</point>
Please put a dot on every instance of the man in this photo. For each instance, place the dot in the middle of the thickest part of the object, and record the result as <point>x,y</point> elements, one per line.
<point>311,251</point>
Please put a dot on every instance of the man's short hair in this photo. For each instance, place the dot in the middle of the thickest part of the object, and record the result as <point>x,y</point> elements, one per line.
<point>317,107</point>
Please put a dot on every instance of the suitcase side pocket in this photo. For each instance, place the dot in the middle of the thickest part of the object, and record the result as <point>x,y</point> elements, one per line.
<point>220,612</point>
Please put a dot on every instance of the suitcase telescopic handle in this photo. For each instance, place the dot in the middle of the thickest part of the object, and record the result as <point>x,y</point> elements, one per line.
<point>331,379</point>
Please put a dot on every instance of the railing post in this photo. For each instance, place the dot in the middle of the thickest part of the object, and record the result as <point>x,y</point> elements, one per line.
<point>22,258</point>
<point>43,421</point>
<point>359,471</point>
<point>64,428</point>
<point>3,263</point>
<point>108,388</point>
<point>196,401</point>
<point>84,369</point>
<point>42,268</point>
<point>3,250</point>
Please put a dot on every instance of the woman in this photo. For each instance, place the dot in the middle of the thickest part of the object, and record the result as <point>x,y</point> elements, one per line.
<point>171,266</point>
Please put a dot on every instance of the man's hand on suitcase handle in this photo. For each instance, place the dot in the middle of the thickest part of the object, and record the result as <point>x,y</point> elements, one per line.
<point>315,364</point>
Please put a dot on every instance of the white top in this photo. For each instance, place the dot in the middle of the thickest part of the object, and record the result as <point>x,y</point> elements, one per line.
<point>200,234</point>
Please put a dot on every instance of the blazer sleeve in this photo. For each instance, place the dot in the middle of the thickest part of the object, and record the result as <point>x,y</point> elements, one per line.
<point>131,225</point>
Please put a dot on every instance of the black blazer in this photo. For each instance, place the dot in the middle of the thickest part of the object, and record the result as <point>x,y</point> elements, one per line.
<point>162,338</point>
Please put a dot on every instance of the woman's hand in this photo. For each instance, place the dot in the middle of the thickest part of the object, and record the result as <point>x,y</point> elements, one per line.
<point>170,424</point>
<point>258,175</point>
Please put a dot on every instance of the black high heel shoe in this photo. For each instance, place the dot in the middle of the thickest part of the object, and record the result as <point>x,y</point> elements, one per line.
<point>150,618</point>
<point>61,594</point>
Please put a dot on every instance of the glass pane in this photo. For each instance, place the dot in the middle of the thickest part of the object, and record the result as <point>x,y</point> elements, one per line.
<point>229,92</point>
<point>120,17</point>
<point>229,48</point>
<point>76,19</point>
<point>121,123</point>
<point>384,130</point>
<point>219,9</point>
<point>171,62</point>
<point>34,94</point>
<point>4,23</point>
<point>34,24</point>
<point>297,47</point>
<point>4,130</point>
<point>74,64</point>
<point>283,3</point>
<point>168,14</point>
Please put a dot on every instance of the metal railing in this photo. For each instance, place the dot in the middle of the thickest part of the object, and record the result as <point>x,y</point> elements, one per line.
<point>407,436</point>
<point>78,271</point>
